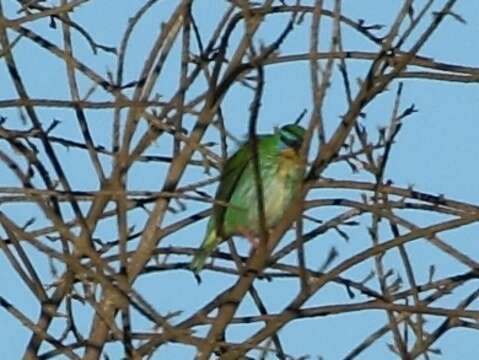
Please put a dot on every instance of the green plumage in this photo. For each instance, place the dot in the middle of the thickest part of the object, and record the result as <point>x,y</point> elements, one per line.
<point>235,211</point>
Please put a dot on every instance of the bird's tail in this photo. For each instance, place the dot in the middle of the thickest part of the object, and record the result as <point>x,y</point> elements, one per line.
<point>207,247</point>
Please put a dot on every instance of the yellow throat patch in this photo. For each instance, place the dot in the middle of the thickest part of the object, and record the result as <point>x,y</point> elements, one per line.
<point>289,161</point>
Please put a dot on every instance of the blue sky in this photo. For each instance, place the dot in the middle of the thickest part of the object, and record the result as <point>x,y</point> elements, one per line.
<point>436,152</point>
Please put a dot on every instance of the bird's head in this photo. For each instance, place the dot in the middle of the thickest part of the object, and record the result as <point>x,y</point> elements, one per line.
<point>291,136</point>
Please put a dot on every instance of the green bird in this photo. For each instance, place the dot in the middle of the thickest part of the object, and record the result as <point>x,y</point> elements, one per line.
<point>235,211</point>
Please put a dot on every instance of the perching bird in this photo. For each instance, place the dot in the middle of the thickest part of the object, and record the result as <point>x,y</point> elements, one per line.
<point>235,211</point>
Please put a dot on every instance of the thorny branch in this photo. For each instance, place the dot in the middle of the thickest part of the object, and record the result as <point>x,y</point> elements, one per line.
<point>107,232</point>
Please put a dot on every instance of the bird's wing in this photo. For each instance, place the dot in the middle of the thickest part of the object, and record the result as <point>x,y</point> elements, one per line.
<point>233,170</point>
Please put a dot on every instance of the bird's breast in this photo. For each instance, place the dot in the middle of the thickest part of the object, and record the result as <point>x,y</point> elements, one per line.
<point>288,163</point>
<point>281,185</point>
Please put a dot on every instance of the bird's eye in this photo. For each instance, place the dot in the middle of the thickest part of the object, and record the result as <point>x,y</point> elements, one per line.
<point>290,141</point>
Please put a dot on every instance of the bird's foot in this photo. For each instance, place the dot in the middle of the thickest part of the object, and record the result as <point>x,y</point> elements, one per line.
<point>250,236</point>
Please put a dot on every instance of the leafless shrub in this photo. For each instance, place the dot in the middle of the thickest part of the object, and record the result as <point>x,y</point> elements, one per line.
<point>101,184</point>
